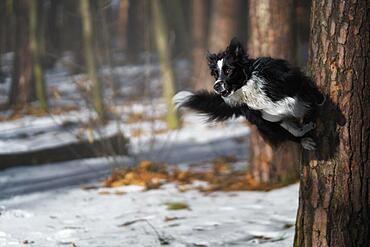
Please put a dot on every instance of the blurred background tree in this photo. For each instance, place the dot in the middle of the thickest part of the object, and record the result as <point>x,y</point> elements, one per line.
<point>271,33</point>
<point>93,37</point>
<point>90,59</point>
<point>168,78</point>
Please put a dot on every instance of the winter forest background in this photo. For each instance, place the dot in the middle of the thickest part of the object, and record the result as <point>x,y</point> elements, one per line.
<point>93,152</point>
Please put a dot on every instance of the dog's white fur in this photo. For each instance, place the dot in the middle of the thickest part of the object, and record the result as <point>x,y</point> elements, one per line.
<point>253,95</point>
<point>181,97</point>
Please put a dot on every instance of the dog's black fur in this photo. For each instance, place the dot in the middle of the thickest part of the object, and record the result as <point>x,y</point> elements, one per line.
<point>216,109</point>
<point>283,80</point>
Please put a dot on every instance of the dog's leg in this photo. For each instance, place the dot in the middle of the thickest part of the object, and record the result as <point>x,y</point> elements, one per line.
<point>308,143</point>
<point>296,130</point>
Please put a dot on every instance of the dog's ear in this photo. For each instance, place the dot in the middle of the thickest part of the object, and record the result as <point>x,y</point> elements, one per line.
<point>235,48</point>
<point>212,59</point>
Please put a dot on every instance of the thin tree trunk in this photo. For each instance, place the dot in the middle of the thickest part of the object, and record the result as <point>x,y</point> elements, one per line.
<point>223,28</point>
<point>36,43</point>
<point>198,24</point>
<point>20,93</point>
<point>136,29</point>
<point>53,42</point>
<point>271,34</point>
<point>302,32</point>
<point>334,200</point>
<point>90,59</point>
<point>122,24</point>
<point>176,20</point>
<point>2,39</point>
<point>161,40</point>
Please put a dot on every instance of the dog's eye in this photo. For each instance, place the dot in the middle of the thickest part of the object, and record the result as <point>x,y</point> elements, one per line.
<point>228,71</point>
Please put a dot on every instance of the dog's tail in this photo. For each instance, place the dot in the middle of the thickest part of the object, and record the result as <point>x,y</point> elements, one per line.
<point>206,103</point>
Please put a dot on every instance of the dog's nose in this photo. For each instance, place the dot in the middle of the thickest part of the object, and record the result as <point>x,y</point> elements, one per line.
<point>219,87</point>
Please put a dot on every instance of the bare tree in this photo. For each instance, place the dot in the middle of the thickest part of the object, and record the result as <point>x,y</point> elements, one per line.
<point>271,34</point>
<point>90,59</point>
<point>168,79</point>
<point>334,202</point>
<point>136,28</point>
<point>122,24</point>
<point>176,21</point>
<point>36,43</point>
<point>21,90</point>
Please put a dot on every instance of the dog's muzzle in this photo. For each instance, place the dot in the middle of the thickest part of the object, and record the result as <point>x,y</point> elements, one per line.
<point>221,88</point>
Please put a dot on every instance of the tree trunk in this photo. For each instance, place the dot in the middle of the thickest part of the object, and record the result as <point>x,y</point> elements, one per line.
<point>198,24</point>
<point>271,28</point>
<point>53,39</point>
<point>224,23</point>
<point>36,43</point>
<point>302,31</point>
<point>271,34</point>
<point>137,29</point>
<point>168,79</point>
<point>2,39</point>
<point>122,24</point>
<point>334,198</point>
<point>176,22</point>
<point>223,28</point>
<point>90,59</point>
<point>21,89</point>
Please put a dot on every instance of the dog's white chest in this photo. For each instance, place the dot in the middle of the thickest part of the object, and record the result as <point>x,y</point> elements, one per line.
<point>253,95</point>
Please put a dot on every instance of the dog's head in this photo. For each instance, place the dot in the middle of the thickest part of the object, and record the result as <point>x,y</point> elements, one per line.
<point>228,68</point>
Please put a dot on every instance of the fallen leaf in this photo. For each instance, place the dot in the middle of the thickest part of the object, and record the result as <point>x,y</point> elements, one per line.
<point>177,206</point>
<point>167,218</point>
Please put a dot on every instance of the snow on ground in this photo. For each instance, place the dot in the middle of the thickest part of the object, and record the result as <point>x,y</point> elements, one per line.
<point>60,217</point>
<point>46,206</point>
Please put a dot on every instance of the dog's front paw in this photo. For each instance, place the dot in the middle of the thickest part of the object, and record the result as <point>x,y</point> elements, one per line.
<point>308,127</point>
<point>308,143</point>
<point>181,97</point>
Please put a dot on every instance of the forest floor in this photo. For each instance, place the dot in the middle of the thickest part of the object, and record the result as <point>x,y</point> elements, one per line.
<point>69,204</point>
<point>66,204</point>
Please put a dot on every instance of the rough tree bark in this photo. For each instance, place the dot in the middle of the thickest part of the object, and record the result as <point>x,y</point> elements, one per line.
<point>168,78</point>
<point>271,34</point>
<point>334,198</point>
<point>90,59</point>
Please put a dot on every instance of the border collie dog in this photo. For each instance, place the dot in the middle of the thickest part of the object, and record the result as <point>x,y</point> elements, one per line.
<point>270,93</point>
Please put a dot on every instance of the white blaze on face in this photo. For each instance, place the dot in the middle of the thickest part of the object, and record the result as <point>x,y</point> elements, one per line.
<point>220,63</point>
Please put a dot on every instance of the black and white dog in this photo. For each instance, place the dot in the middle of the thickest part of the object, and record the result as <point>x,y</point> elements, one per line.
<point>271,94</point>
